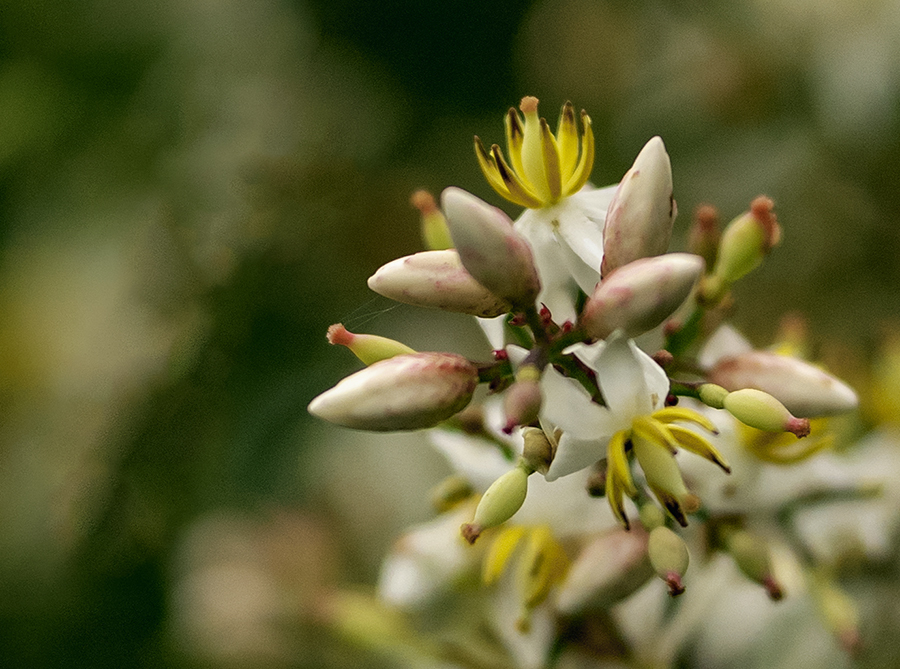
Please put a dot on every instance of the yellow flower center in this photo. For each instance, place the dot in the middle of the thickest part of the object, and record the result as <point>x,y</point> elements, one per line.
<point>543,168</point>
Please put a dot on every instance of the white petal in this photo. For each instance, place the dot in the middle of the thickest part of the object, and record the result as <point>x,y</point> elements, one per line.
<point>558,288</point>
<point>568,407</point>
<point>581,234</point>
<point>594,202</point>
<point>573,454</point>
<point>630,386</point>
<point>565,506</point>
<point>478,460</point>
<point>494,330</point>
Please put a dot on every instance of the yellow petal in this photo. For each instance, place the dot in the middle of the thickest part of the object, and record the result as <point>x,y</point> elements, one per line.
<point>499,553</point>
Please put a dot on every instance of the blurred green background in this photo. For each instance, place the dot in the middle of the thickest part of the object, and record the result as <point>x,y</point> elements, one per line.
<point>192,191</point>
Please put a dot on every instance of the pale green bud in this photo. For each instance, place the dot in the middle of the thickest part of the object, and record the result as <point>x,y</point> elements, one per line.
<point>522,402</point>
<point>712,395</point>
<point>669,557</point>
<point>840,612</point>
<point>435,233</point>
<point>640,295</point>
<point>762,411</point>
<point>651,516</point>
<point>751,555</point>
<point>436,280</point>
<point>406,392</point>
<point>368,348</point>
<point>491,251</point>
<point>499,503</point>
<point>537,452</point>
<point>746,241</point>
<point>804,389</point>
<point>640,216</point>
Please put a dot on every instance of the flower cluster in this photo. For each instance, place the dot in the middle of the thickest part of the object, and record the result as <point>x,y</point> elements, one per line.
<point>610,358</point>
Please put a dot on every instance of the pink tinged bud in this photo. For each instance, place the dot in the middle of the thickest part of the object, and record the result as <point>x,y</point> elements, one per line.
<point>746,241</point>
<point>406,392</point>
<point>436,280</point>
<point>640,216</point>
<point>522,401</point>
<point>803,388</point>
<point>751,555</point>
<point>496,255</point>
<point>641,295</point>
<point>669,557</point>
<point>762,411</point>
<point>368,348</point>
<point>499,503</point>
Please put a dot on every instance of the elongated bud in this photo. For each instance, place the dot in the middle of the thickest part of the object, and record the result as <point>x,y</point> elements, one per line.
<point>669,557</point>
<point>840,612</point>
<point>803,388</point>
<point>436,280</point>
<point>640,216</point>
<point>491,251</point>
<point>607,570</point>
<point>664,478</point>
<point>435,233</point>
<point>762,411</point>
<point>751,555</point>
<point>713,395</point>
<point>641,295</point>
<point>705,235</point>
<point>406,392</point>
<point>366,347</point>
<point>746,241</point>
<point>522,401</point>
<point>499,502</point>
<point>537,452</point>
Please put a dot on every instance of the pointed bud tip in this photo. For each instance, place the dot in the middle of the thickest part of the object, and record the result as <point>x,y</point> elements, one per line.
<point>798,426</point>
<point>470,532</point>
<point>424,202</point>
<point>773,588</point>
<point>674,583</point>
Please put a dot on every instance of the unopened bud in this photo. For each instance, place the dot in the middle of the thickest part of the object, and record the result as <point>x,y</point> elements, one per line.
<point>607,570</point>
<point>366,347</point>
<point>435,233</point>
<point>640,215</point>
<point>746,241</point>
<point>651,516</point>
<point>499,502</point>
<point>751,555</point>
<point>436,280</point>
<point>450,492</point>
<point>491,251</point>
<point>522,401</point>
<point>713,395</point>
<point>537,452</point>
<point>406,392</point>
<point>640,295</point>
<point>669,557</point>
<point>803,388</point>
<point>840,612</point>
<point>762,411</point>
<point>704,235</point>
<point>664,478</point>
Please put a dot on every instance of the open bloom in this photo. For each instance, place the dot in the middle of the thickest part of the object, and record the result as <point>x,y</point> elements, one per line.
<point>634,389</point>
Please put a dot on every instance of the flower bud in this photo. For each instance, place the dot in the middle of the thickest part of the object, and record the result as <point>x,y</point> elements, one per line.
<point>669,557</point>
<point>746,241</point>
<point>522,401</point>
<point>640,295</point>
<point>712,395</point>
<point>762,411</point>
<point>368,348</point>
<point>651,516</point>
<point>491,251</point>
<point>406,392</point>
<point>840,612</point>
<point>640,215</point>
<point>499,502</point>
<point>704,236</point>
<point>537,451</point>
<point>435,233</point>
<point>803,388</point>
<point>607,570</point>
<point>751,555</point>
<point>436,280</point>
<point>664,478</point>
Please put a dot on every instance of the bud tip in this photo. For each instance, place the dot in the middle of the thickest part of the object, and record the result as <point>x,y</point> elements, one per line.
<point>470,532</point>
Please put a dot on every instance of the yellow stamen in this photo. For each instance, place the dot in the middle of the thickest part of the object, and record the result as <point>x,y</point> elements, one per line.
<point>693,442</point>
<point>586,163</point>
<point>617,462</point>
<point>519,191</point>
<point>515,137</point>
<point>552,173</point>
<point>567,139</point>
<point>674,414</point>
<point>499,553</point>
<point>645,427</point>
<point>489,168</point>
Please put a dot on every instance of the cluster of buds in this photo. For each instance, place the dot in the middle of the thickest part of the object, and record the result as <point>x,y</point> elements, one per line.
<point>561,292</point>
